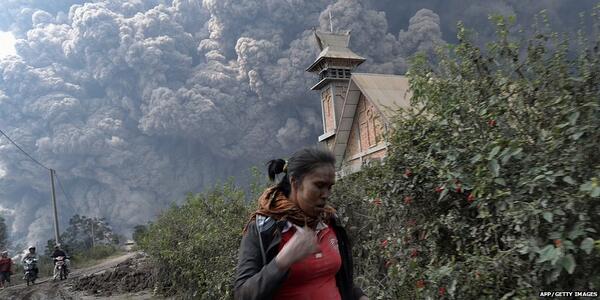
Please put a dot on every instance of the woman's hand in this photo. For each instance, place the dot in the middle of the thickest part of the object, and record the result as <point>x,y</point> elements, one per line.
<point>302,244</point>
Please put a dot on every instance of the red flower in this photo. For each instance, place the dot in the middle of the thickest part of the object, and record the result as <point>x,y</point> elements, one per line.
<point>384,243</point>
<point>471,197</point>
<point>408,200</point>
<point>408,172</point>
<point>492,123</point>
<point>420,283</point>
<point>377,202</point>
<point>458,189</point>
<point>442,291</point>
<point>411,222</point>
<point>557,243</point>
<point>439,189</point>
<point>414,253</point>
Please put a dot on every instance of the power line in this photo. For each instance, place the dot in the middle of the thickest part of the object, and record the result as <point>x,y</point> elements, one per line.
<point>24,152</point>
<point>52,173</point>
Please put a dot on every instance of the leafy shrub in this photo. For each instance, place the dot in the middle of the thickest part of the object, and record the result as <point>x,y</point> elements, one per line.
<point>195,245</point>
<point>493,190</point>
<point>101,251</point>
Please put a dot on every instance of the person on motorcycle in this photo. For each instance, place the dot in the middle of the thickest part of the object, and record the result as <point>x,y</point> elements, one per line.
<point>58,252</point>
<point>33,255</point>
<point>5,269</point>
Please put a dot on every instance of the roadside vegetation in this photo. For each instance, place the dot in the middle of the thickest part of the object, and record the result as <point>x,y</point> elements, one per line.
<point>87,240</point>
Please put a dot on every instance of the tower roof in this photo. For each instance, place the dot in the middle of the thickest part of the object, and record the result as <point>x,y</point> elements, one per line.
<point>334,45</point>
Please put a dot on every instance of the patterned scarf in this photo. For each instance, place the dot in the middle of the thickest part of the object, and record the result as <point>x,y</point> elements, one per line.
<point>273,203</point>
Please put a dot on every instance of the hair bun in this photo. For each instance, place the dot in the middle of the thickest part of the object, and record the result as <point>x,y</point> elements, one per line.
<point>274,167</point>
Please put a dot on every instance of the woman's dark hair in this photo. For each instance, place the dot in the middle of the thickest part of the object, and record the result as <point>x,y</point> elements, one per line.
<point>299,164</point>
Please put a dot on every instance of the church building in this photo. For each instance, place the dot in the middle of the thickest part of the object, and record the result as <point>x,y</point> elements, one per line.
<point>357,108</point>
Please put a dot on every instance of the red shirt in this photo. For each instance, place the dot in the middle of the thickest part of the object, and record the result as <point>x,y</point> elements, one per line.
<point>5,264</point>
<point>314,277</point>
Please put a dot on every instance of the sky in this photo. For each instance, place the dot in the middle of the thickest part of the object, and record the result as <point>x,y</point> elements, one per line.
<point>136,103</point>
<point>7,46</point>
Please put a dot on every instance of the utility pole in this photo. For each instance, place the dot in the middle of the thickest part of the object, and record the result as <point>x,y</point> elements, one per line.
<point>56,231</point>
<point>93,238</point>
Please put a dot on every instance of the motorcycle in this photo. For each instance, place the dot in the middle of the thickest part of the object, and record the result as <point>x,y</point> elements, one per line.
<point>60,267</point>
<point>29,268</point>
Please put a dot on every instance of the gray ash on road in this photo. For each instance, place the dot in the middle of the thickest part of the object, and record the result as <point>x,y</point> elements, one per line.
<point>130,276</point>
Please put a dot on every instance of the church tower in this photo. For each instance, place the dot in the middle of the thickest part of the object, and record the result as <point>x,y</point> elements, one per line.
<point>333,66</point>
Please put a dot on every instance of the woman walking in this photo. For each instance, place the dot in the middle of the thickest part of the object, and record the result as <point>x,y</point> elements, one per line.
<point>293,246</point>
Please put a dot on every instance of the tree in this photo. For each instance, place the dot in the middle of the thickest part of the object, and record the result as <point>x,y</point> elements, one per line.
<point>84,232</point>
<point>139,231</point>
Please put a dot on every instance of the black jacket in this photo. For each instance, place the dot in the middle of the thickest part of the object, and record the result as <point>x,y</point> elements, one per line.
<point>257,275</point>
<point>58,253</point>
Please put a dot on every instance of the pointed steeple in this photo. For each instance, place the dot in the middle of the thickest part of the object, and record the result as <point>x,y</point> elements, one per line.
<point>336,60</point>
<point>334,66</point>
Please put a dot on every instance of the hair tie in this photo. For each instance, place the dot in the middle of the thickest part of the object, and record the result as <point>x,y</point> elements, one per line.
<point>285,167</point>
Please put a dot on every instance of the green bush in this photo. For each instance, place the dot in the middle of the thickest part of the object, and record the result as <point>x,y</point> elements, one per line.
<point>195,245</point>
<point>492,190</point>
<point>101,251</point>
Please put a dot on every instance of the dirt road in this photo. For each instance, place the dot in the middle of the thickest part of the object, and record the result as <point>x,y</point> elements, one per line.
<point>46,288</point>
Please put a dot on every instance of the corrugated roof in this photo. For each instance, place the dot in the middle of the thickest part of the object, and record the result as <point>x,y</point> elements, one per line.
<point>388,93</point>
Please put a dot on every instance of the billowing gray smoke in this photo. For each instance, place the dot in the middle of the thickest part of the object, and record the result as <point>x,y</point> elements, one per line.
<point>137,102</point>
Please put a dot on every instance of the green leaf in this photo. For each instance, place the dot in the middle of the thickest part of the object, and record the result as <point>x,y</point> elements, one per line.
<point>506,155</point>
<point>547,253</point>
<point>573,117</point>
<point>500,181</point>
<point>577,135</point>
<point>586,187</point>
<point>568,262</point>
<point>443,194</point>
<point>494,151</point>
<point>569,180</point>
<point>587,245</point>
<point>575,233</point>
<point>517,151</point>
<point>595,192</point>
<point>494,167</point>
<point>476,158</point>
<point>548,216</point>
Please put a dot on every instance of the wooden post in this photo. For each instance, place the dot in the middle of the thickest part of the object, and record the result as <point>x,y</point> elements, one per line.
<point>56,231</point>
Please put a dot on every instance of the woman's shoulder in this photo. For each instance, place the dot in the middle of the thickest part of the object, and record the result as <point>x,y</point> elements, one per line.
<point>265,223</point>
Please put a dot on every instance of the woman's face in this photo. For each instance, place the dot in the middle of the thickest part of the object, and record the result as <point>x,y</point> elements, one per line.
<point>312,192</point>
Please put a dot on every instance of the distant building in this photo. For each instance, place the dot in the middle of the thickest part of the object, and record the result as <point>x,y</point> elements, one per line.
<point>357,108</point>
<point>129,245</point>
